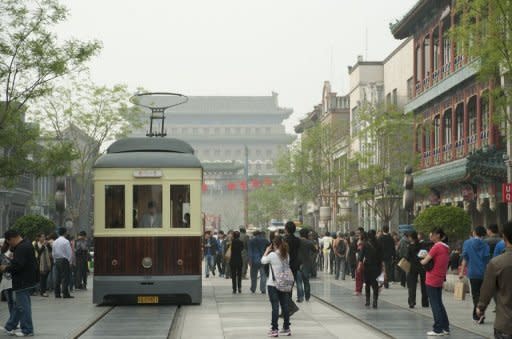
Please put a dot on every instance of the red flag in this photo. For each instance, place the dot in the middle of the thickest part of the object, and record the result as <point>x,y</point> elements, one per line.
<point>231,186</point>
<point>243,185</point>
<point>255,183</point>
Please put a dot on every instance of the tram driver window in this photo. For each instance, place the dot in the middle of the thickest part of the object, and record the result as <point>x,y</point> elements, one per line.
<point>180,206</point>
<point>114,206</point>
<point>147,206</point>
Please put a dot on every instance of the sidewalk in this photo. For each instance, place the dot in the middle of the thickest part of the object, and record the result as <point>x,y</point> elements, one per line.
<point>226,315</point>
<point>395,298</point>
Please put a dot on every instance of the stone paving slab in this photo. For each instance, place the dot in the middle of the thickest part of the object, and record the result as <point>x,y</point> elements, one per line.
<point>397,322</point>
<point>459,311</point>
<point>247,315</point>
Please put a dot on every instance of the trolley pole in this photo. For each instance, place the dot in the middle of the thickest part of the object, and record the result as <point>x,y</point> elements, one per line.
<point>246,192</point>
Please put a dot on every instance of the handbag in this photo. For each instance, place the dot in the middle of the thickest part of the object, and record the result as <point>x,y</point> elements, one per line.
<point>458,291</point>
<point>283,279</point>
<point>405,265</point>
<point>227,255</point>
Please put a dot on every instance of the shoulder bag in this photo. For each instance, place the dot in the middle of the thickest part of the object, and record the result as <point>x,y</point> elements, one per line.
<point>283,279</point>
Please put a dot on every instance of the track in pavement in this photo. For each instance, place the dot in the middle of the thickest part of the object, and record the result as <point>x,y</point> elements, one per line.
<point>131,322</point>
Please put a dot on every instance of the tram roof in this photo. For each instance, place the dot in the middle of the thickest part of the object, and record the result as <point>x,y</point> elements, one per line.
<point>149,153</point>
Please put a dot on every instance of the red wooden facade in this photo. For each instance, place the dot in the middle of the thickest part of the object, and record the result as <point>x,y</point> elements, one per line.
<point>170,255</point>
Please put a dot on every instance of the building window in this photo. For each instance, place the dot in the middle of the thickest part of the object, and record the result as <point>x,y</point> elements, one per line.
<point>269,153</point>
<point>174,131</point>
<point>237,131</point>
<point>227,153</point>
<point>217,152</point>
<point>247,130</point>
<point>447,50</point>
<point>419,139</point>
<point>206,131</point>
<point>258,153</point>
<point>227,130</point>
<point>257,130</point>
<point>184,130</point>
<point>238,153</point>
<point>388,99</point>
<point>426,56</point>
<point>459,115</point>
<point>267,130</point>
<point>435,45</point>
<point>418,63</point>
<point>195,131</point>
<point>207,152</point>
<point>395,97</point>
<point>147,206</point>
<point>217,131</point>
<point>427,136</point>
<point>448,127</point>
<point>180,206</point>
<point>472,116</point>
<point>484,105</point>
<point>437,132</point>
<point>114,206</point>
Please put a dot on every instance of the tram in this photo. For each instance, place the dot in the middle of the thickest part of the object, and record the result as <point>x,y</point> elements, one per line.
<point>147,219</point>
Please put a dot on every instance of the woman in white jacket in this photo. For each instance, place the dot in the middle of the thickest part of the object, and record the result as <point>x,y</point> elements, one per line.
<point>276,255</point>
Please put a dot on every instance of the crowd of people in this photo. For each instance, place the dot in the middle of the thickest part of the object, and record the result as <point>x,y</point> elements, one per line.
<point>373,259</point>
<point>56,262</point>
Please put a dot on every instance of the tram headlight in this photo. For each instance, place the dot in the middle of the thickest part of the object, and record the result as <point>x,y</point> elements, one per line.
<point>147,262</point>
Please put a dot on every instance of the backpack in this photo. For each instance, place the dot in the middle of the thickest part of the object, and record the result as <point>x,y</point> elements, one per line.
<point>341,248</point>
<point>283,279</point>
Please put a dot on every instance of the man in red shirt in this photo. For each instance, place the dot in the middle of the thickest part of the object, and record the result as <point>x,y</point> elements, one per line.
<point>439,255</point>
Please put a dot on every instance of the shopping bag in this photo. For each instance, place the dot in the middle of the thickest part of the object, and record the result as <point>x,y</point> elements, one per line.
<point>405,265</point>
<point>458,291</point>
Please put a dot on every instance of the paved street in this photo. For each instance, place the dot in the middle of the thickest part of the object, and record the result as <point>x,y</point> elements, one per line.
<point>333,313</point>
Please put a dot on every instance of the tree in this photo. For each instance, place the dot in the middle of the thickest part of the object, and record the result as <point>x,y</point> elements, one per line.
<point>31,59</point>
<point>269,202</point>
<point>308,168</point>
<point>376,169</point>
<point>87,116</point>
<point>483,34</point>
<point>455,222</point>
<point>30,226</point>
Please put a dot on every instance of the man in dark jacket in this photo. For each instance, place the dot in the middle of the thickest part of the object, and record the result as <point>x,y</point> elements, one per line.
<point>257,247</point>
<point>307,252</point>
<point>388,253</point>
<point>293,251</point>
<point>23,269</point>
<point>210,251</point>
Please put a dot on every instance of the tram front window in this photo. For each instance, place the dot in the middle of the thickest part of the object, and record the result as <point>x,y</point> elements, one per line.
<point>147,206</point>
<point>114,206</point>
<point>180,206</point>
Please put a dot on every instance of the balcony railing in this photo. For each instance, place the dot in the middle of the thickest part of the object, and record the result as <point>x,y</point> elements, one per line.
<point>459,148</point>
<point>447,152</point>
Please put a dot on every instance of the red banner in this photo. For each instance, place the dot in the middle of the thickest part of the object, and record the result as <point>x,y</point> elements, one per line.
<point>231,186</point>
<point>507,193</point>
<point>243,185</point>
<point>255,183</point>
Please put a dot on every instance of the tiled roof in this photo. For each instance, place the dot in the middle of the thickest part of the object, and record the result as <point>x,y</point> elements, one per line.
<point>230,104</point>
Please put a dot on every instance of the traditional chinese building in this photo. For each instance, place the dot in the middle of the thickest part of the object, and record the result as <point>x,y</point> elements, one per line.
<point>460,149</point>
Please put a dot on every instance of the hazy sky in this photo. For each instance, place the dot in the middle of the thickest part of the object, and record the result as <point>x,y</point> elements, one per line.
<point>235,47</point>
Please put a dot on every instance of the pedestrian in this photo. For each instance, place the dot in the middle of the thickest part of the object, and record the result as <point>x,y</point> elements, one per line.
<point>6,283</point>
<point>72,262</point>
<point>244,238</point>
<point>371,259</point>
<point>62,255</point>
<point>23,270</point>
<point>352,254</point>
<point>227,254</point>
<point>210,251</point>
<point>307,250</point>
<point>276,255</point>
<point>439,254</point>
<point>313,237</point>
<point>340,252</point>
<point>402,253</point>
<point>81,260</point>
<point>257,247</point>
<point>493,237</point>
<point>219,258</point>
<point>498,283</point>
<point>326,243</point>
<point>388,253</point>
<point>236,262</point>
<point>475,255</point>
<point>293,251</point>
<point>44,263</point>
<point>415,271</point>
<point>360,268</point>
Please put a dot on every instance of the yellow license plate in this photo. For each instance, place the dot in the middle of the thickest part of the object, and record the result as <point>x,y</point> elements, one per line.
<point>147,300</point>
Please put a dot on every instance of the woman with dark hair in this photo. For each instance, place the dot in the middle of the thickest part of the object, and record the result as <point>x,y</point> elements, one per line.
<point>236,262</point>
<point>360,268</point>
<point>371,259</point>
<point>435,277</point>
<point>416,269</point>
<point>277,255</point>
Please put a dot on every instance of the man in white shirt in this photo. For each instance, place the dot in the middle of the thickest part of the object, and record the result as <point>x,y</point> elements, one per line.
<point>152,218</point>
<point>62,253</point>
<point>326,242</point>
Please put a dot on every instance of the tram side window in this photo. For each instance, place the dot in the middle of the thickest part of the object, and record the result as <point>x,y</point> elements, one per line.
<point>114,206</point>
<point>180,206</point>
<point>147,206</point>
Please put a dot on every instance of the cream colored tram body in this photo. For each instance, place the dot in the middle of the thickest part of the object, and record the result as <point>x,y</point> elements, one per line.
<point>147,223</point>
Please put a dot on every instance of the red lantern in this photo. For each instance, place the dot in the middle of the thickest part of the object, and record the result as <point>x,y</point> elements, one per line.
<point>231,186</point>
<point>255,183</point>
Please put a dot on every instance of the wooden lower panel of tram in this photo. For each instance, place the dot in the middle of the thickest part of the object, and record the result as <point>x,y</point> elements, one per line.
<point>169,255</point>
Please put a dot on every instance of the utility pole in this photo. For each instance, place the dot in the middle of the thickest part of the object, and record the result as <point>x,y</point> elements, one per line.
<point>246,192</point>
